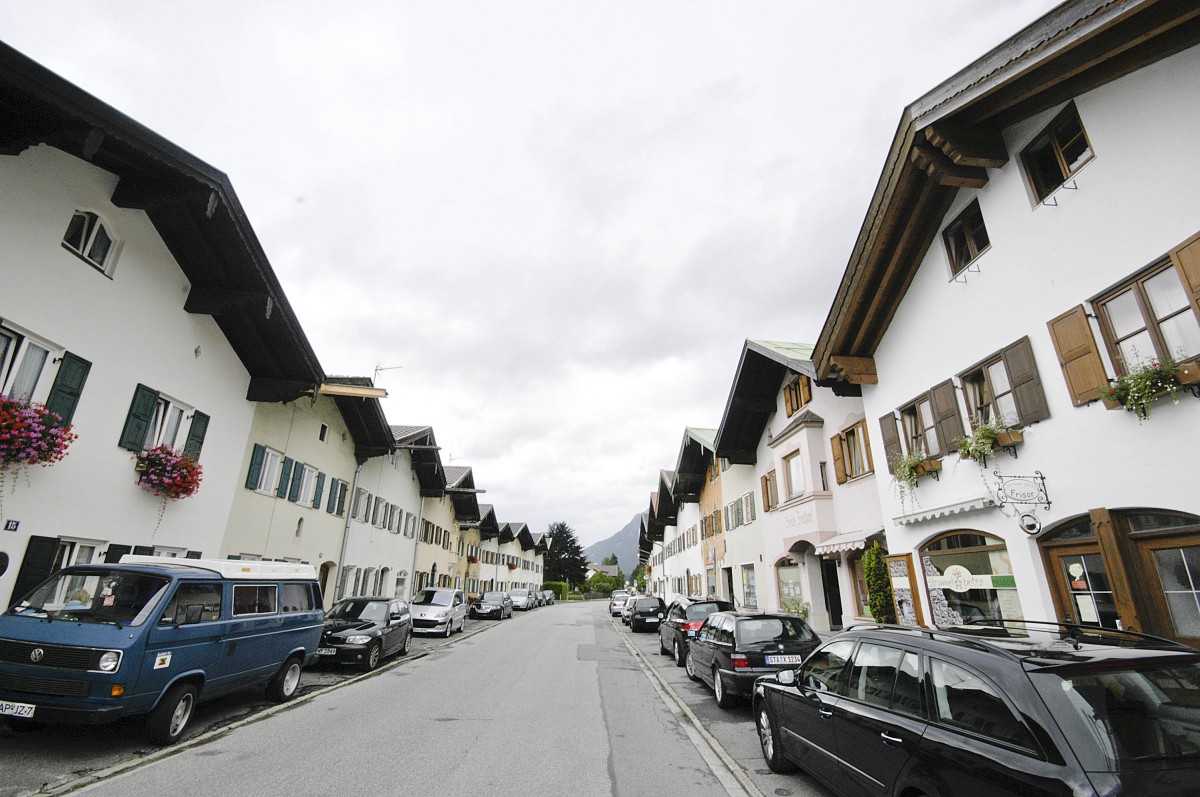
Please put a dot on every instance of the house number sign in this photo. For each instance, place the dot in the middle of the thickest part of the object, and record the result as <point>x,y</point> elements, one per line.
<point>1021,490</point>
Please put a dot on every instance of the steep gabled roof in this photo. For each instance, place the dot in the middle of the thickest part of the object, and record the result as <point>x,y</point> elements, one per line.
<point>489,528</point>
<point>191,204</point>
<point>754,396</point>
<point>952,136</point>
<point>427,462</point>
<point>695,453</point>
<point>460,486</point>
<point>364,419</point>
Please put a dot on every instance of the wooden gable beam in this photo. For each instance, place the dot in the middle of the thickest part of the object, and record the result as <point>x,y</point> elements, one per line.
<point>969,146</point>
<point>855,370</point>
<point>934,163</point>
<point>215,301</point>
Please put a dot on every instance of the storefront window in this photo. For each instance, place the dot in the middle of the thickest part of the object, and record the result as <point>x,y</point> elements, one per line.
<point>1179,573</point>
<point>970,579</point>
<point>749,594</point>
<point>791,597</point>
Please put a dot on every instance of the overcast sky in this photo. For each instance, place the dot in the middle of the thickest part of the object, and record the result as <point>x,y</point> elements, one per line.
<point>555,221</point>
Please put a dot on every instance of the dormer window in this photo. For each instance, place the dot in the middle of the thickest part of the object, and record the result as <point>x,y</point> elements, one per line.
<point>1057,154</point>
<point>89,238</point>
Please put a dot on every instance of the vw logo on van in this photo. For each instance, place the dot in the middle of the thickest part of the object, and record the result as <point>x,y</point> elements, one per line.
<point>36,655</point>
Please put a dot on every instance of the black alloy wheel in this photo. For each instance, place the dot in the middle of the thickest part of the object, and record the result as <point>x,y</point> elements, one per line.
<point>374,654</point>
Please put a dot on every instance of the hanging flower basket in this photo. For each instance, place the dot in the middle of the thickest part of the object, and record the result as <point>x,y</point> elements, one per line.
<point>1142,386</point>
<point>472,560</point>
<point>512,565</point>
<point>167,473</point>
<point>30,434</point>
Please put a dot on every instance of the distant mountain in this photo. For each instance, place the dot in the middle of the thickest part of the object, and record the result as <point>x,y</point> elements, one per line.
<point>624,544</point>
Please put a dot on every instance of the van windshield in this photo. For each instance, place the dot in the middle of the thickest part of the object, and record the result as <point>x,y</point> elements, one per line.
<point>94,596</point>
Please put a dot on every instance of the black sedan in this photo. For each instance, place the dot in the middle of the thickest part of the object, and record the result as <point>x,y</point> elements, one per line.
<point>732,650</point>
<point>363,631</point>
<point>646,614</point>
<point>492,604</point>
<point>683,620</point>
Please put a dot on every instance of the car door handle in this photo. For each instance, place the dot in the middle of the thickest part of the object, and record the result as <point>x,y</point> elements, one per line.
<point>825,712</point>
<point>887,739</point>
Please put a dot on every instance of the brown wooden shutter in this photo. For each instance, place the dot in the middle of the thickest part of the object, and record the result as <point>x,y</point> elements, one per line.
<point>805,390</point>
<point>839,459</point>
<point>1186,258</point>
<point>866,441</point>
<point>788,402</point>
<point>946,416</point>
<point>891,440</point>
<point>1078,355</point>
<point>766,495</point>
<point>1026,384</point>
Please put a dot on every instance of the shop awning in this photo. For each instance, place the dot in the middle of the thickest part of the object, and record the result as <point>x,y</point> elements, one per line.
<point>984,501</point>
<point>850,541</point>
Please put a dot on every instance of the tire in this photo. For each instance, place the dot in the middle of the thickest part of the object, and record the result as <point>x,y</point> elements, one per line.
<point>725,698</point>
<point>449,629</point>
<point>170,717</point>
<point>768,740</point>
<point>374,654</point>
<point>286,683</point>
<point>691,672</point>
<point>662,648</point>
<point>404,643</point>
<point>677,653</point>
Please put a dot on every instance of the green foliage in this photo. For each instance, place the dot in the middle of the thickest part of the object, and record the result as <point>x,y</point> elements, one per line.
<point>796,606</point>
<point>879,585</point>
<point>611,559</point>
<point>559,587</point>
<point>904,475</point>
<point>564,559</point>
<point>602,582</point>
<point>980,444</point>
<point>1143,385</point>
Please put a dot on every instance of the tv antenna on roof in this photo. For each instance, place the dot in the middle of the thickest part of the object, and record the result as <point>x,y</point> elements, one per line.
<point>379,368</point>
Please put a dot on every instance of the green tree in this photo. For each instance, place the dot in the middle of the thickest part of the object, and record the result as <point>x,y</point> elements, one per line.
<point>564,559</point>
<point>602,582</point>
<point>879,585</point>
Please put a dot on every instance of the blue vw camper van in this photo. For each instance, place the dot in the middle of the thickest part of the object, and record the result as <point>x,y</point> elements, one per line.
<point>155,636</point>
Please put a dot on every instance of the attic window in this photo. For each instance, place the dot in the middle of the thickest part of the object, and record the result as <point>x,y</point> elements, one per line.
<point>1057,154</point>
<point>89,238</point>
<point>966,238</point>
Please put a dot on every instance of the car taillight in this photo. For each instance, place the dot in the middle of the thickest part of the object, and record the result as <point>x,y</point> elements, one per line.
<point>693,626</point>
<point>740,661</point>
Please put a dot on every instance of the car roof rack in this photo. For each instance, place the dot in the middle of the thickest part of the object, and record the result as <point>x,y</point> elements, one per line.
<point>1074,633</point>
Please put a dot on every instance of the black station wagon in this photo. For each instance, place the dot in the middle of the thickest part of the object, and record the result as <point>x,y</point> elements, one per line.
<point>1024,709</point>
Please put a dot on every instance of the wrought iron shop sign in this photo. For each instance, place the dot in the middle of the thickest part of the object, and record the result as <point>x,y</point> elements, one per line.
<point>1021,490</point>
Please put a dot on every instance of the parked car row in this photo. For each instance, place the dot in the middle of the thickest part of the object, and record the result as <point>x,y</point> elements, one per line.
<point>1012,708</point>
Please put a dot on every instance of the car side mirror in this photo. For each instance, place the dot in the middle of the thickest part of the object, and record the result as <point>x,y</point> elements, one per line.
<point>660,615</point>
<point>786,677</point>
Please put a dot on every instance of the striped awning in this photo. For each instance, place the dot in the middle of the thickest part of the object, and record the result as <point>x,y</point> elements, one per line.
<point>850,541</point>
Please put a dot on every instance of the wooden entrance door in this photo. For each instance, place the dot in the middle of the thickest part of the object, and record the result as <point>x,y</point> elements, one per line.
<point>1168,569</point>
<point>1083,591</point>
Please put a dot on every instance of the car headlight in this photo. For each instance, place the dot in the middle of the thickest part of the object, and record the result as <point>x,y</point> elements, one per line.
<point>358,639</point>
<point>442,615</point>
<point>109,661</point>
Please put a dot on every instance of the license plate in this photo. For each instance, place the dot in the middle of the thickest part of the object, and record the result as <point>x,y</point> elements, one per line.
<point>784,659</point>
<point>326,651</point>
<point>691,633</point>
<point>17,709</point>
<point>653,620</point>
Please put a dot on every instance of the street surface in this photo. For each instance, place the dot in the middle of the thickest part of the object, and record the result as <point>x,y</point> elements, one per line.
<point>556,701</point>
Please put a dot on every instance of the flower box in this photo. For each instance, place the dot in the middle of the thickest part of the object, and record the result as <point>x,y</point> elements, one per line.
<point>1009,438</point>
<point>472,560</point>
<point>927,466</point>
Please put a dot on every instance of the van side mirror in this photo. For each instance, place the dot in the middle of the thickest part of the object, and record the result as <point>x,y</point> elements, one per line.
<point>786,677</point>
<point>193,613</point>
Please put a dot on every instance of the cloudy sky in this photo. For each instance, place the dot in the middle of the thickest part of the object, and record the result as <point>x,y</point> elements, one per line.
<point>554,222</point>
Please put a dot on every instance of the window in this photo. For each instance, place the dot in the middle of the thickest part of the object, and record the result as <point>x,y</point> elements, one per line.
<point>1006,388</point>
<point>253,599</point>
<point>873,675</point>
<point>156,420</point>
<point>748,508</point>
<point>770,491</point>
<point>965,238</point>
<point>851,453</point>
<point>1057,154</point>
<point>263,476</point>
<point>21,364</point>
<point>749,592</point>
<point>306,478</point>
<point>969,577</point>
<point>793,467</point>
<point>324,433</point>
<point>920,433</point>
<point>362,505</point>
<point>337,497</point>
<point>1149,318</point>
<point>796,394</point>
<point>965,701</point>
<point>88,237</point>
<point>202,601</point>
<point>823,669</point>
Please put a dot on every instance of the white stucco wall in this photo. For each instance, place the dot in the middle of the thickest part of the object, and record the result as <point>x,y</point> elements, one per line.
<point>1134,201</point>
<point>369,547</point>
<point>133,329</point>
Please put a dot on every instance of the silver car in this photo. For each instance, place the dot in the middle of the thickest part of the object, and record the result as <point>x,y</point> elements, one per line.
<point>439,611</point>
<point>522,599</point>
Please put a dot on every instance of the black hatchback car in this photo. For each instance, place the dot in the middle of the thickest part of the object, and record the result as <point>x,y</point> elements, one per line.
<point>363,631</point>
<point>1029,709</point>
<point>683,620</point>
<point>646,614</point>
<point>732,650</point>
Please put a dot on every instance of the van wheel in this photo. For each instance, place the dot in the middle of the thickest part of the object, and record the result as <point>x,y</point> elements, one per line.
<point>286,683</point>
<point>172,714</point>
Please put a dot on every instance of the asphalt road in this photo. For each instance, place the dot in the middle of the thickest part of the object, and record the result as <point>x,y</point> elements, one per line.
<point>561,700</point>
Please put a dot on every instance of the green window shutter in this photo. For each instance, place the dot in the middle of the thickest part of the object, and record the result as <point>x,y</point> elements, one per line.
<point>137,422</point>
<point>318,490</point>
<point>36,565</point>
<point>114,553</point>
<point>195,438</point>
<point>331,507</point>
<point>68,384</point>
<point>343,489</point>
<point>285,477</point>
<point>297,480</point>
<point>256,464</point>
